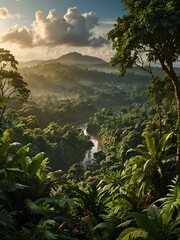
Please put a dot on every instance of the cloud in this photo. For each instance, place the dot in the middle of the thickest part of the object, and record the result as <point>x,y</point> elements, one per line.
<point>4,14</point>
<point>74,29</point>
<point>22,36</point>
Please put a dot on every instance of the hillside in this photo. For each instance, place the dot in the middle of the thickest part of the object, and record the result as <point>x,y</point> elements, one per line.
<point>76,76</point>
<point>91,63</point>
<point>68,81</point>
<point>74,58</point>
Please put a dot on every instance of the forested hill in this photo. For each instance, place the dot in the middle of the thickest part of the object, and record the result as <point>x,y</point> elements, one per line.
<point>74,58</point>
<point>74,75</point>
<point>67,81</point>
<point>89,62</point>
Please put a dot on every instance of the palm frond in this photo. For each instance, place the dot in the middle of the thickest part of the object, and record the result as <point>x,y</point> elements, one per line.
<point>33,207</point>
<point>20,157</point>
<point>132,233</point>
<point>162,145</point>
<point>44,229</point>
<point>9,186</point>
<point>150,142</point>
<point>175,223</point>
<point>171,203</point>
<point>125,224</point>
<point>100,226</point>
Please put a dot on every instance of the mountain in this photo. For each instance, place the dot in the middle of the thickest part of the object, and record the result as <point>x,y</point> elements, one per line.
<point>75,58</point>
<point>91,63</point>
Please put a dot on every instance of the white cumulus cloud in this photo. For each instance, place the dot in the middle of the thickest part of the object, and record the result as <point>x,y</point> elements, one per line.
<point>73,29</point>
<point>4,14</point>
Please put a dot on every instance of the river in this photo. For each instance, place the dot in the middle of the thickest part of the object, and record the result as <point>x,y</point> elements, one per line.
<point>88,159</point>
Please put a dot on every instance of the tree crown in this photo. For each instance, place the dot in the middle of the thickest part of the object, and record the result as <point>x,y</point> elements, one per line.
<point>151,28</point>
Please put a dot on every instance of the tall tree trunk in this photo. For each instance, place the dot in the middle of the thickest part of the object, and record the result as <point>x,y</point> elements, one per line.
<point>3,108</point>
<point>149,70</point>
<point>158,105</point>
<point>176,85</point>
<point>174,79</point>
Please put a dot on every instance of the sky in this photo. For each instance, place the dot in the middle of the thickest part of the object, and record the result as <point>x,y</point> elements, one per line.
<point>48,29</point>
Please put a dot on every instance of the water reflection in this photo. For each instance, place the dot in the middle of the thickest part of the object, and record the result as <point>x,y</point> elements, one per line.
<point>88,159</point>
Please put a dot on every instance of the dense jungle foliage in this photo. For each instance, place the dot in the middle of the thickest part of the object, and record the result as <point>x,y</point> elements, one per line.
<point>132,188</point>
<point>45,192</point>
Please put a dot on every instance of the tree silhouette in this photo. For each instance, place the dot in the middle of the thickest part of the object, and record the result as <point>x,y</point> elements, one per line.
<point>12,85</point>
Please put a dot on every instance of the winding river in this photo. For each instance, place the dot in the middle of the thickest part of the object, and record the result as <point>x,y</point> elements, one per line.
<point>88,159</point>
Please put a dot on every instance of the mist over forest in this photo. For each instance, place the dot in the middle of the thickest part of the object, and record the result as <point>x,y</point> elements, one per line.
<point>76,76</point>
<point>82,145</point>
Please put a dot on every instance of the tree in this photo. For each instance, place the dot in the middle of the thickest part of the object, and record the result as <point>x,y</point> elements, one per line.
<point>19,171</point>
<point>160,91</point>
<point>150,28</point>
<point>148,168</point>
<point>151,225</point>
<point>92,199</point>
<point>12,85</point>
<point>156,223</point>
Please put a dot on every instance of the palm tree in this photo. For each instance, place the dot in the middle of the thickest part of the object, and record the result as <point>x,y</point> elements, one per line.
<point>92,199</point>
<point>147,168</point>
<point>109,228</point>
<point>22,177</point>
<point>150,225</point>
<point>156,223</point>
<point>171,202</point>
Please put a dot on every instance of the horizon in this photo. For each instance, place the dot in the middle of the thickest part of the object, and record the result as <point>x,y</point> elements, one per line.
<point>69,53</point>
<point>157,65</point>
<point>44,29</point>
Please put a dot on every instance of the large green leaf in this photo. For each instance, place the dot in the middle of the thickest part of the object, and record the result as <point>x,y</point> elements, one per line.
<point>7,136</point>
<point>150,222</point>
<point>150,142</point>
<point>20,157</point>
<point>5,142</point>
<point>35,163</point>
<point>171,202</point>
<point>33,207</point>
<point>163,142</point>
<point>132,233</point>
